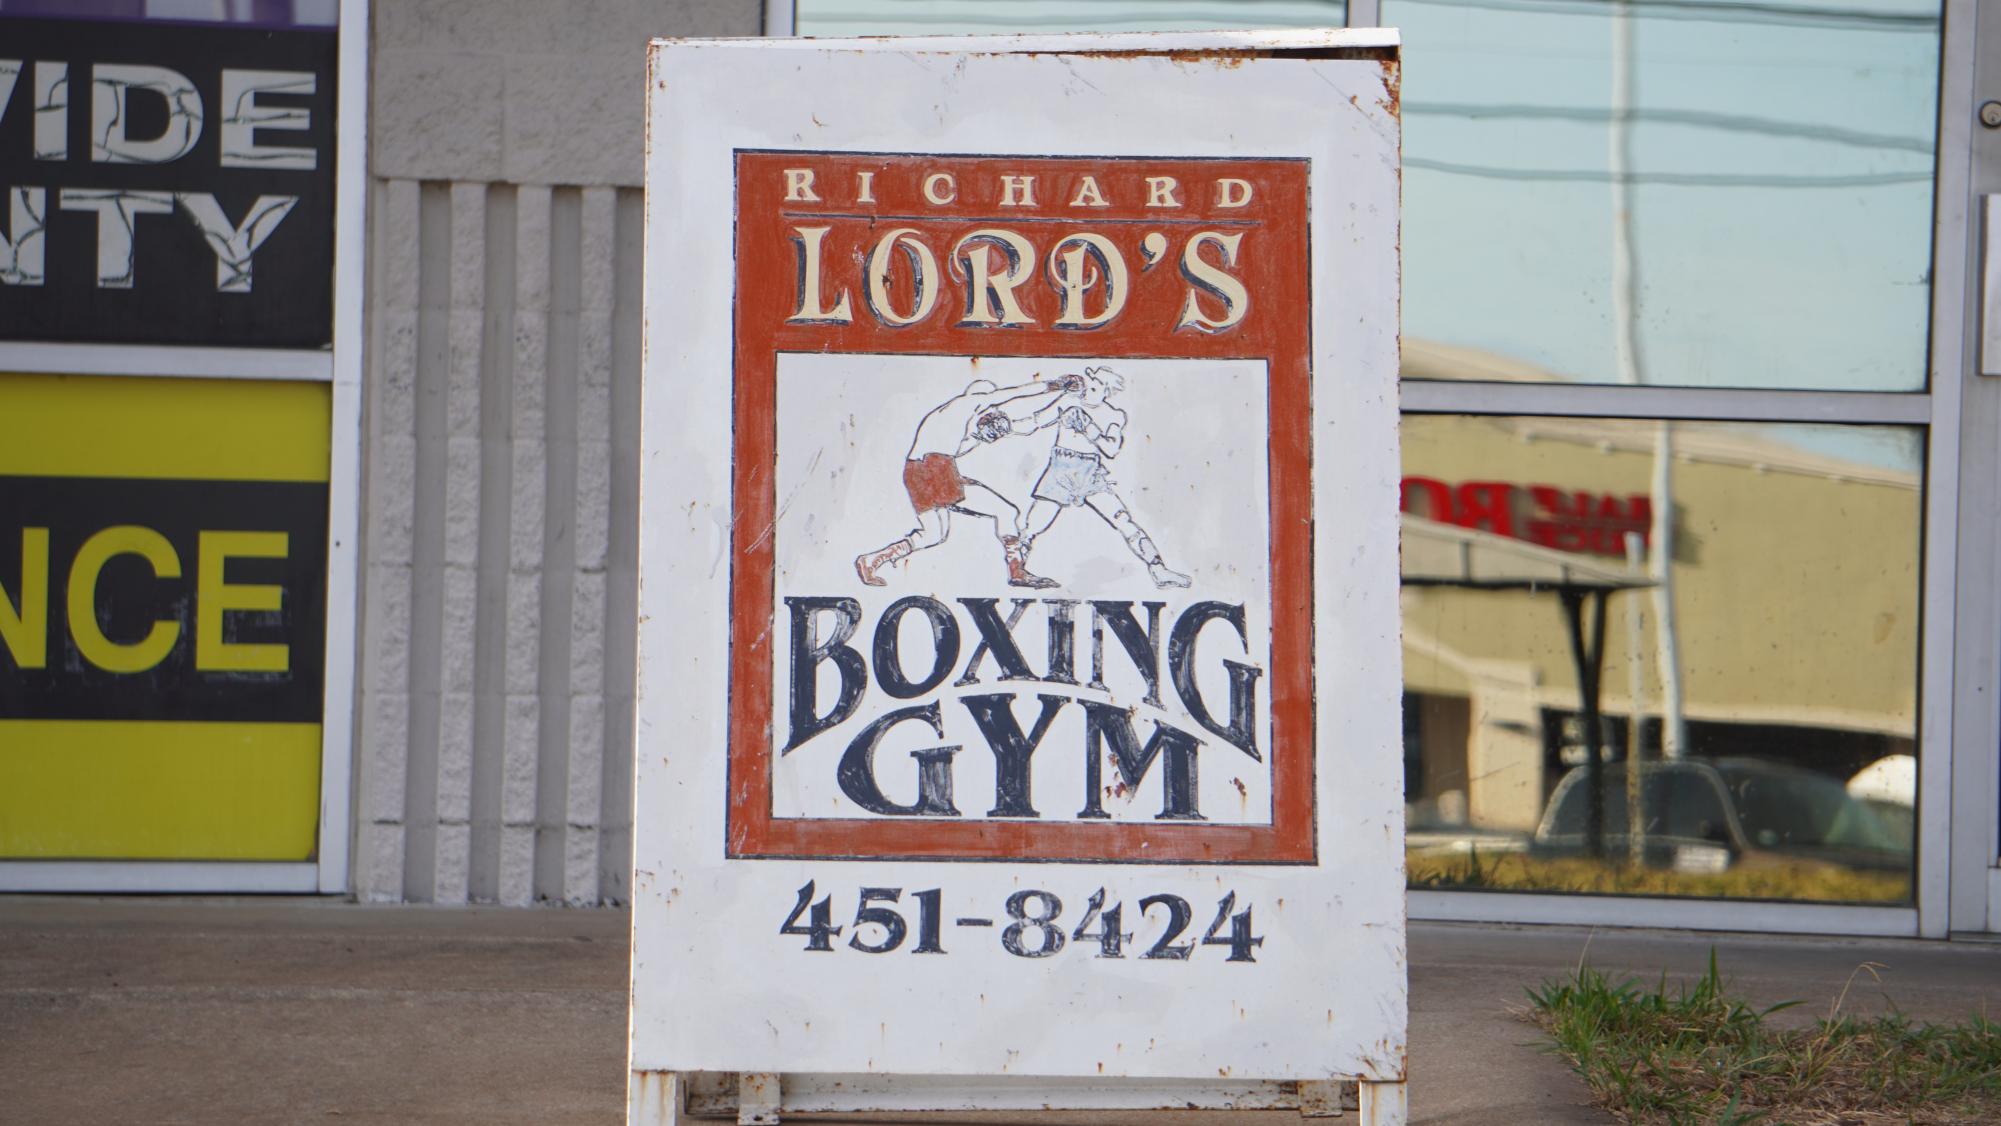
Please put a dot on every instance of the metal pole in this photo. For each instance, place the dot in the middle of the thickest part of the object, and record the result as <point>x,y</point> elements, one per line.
<point>1636,816</point>
<point>1632,369</point>
<point>781,17</point>
<point>1619,165</point>
<point>1588,659</point>
<point>1600,603</point>
<point>1674,736</point>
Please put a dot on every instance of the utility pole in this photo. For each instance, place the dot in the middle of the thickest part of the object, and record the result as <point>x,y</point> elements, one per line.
<point>1631,366</point>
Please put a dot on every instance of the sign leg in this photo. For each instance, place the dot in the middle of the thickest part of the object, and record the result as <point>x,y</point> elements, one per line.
<point>757,1099</point>
<point>1383,1104</point>
<point>656,1098</point>
<point>1320,1099</point>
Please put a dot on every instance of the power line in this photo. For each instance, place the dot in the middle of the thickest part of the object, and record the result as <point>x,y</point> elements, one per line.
<point>1094,13</point>
<point>1677,179</point>
<point>1735,123</point>
<point>1778,15</point>
<point>1077,15</point>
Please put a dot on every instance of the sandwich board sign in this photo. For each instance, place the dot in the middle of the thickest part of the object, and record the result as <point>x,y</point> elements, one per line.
<point>1018,704</point>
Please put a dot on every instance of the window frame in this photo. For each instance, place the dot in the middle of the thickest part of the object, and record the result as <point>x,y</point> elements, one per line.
<point>1957,879</point>
<point>340,366</point>
<point>1936,410</point>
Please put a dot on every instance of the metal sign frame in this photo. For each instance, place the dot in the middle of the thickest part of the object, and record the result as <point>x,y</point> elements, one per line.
<point>725,823</point>
<point>341,367</point>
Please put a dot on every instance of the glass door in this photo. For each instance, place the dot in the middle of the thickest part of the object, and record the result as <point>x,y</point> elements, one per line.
<point>1673,486</point>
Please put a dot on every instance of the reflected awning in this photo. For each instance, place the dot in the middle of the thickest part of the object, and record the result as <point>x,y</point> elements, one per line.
<point>1438,554</point>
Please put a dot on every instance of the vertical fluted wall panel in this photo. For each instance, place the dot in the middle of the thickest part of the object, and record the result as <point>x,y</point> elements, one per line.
<point>522,644</point>
<point>496,646</point>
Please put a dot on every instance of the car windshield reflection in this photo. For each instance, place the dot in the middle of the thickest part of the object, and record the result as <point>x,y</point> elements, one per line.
<point>1710,815</point>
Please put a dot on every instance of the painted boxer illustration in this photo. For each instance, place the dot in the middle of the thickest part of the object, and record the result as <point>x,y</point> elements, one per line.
<point>981,413</point>
<point>1091,429</point>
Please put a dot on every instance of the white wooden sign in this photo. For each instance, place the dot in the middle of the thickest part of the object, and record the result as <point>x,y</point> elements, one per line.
<point>1019,690</point>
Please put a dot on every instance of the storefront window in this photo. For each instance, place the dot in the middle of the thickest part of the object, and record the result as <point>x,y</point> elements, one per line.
<point>1733,607</point>
<point>1644,657</point>
<point>163,590</point>
<point>1709,195</point>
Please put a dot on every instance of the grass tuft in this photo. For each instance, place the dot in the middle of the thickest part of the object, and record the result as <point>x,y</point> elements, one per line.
<point>1698,1055</point>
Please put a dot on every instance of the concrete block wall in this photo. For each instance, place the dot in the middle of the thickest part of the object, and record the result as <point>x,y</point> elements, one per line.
<point>501,450</point>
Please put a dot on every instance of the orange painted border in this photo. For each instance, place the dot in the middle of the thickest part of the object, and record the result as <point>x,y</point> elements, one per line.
<point>1275,265</point>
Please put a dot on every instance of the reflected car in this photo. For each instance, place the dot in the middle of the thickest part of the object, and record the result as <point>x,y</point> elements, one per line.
<point>1462,840</point>
<point>1890,787</point>
<point>1708,815</point>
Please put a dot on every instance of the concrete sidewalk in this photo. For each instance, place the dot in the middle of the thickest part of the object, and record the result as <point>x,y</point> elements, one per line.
<point>291,1011</point>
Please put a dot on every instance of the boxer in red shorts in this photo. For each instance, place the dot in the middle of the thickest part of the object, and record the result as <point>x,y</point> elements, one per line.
<point>981,413</point>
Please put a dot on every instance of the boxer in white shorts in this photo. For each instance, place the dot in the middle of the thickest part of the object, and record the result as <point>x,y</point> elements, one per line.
<point>1090,429</point>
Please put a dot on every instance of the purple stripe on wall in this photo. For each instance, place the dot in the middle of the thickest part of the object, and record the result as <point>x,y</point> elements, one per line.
<point>236,13</point>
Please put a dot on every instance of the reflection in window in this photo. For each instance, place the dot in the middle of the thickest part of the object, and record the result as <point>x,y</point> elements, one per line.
<point>1700,194</point>
<point>1772,721</point>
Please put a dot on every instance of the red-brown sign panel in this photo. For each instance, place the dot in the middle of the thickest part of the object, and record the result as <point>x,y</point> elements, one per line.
<point>1021,553</point>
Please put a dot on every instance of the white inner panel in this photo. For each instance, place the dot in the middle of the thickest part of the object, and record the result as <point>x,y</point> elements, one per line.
<point>1196,480</point>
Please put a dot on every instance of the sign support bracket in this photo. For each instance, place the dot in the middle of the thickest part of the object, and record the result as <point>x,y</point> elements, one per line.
<point>1321,1099</point>
<point>759,1096</point>
<point>1383,1104</point>
<point>664,1098</point>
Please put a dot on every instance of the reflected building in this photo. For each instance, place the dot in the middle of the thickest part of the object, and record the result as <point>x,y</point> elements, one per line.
<point>1794,575</point>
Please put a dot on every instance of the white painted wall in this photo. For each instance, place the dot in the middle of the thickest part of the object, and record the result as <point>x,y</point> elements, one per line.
<point>501,451</point>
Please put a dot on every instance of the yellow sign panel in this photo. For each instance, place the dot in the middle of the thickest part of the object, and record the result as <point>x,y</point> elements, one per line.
<point>162,617</point>
<point>143,790</point>
<point>190,429</point>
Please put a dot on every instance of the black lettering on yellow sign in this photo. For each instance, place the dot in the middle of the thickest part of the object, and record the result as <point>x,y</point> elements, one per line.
<point>154,599</point>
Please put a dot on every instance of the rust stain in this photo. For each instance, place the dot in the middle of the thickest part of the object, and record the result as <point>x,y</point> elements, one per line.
<point>1231,57</point>
<point>1392,88</point>
<point>1228,60</point>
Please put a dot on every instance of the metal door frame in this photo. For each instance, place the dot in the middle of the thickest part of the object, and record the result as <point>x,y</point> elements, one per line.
<point>1970,168</point>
